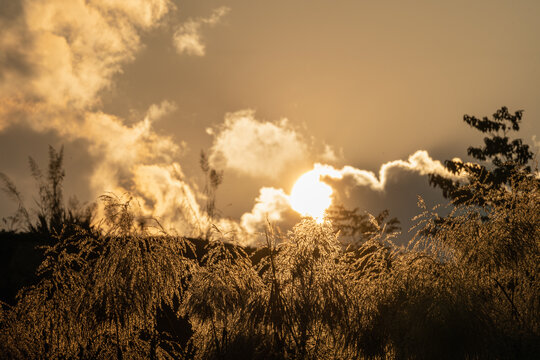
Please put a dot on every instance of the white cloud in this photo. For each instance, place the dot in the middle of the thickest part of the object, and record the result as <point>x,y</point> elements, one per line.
<point>536,150</point>
<point>257,148</point>
<point>536,144</point>
<point>269,206</point>
<point>187,37</point>
<point>420,162</point>
<point>73,48</point>
<point>165,194</point>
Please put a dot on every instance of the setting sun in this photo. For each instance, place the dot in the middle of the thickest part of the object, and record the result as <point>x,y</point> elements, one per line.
<point>310,196</point>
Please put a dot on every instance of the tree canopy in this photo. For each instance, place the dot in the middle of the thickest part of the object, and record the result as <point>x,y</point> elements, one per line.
<point>496,161</point>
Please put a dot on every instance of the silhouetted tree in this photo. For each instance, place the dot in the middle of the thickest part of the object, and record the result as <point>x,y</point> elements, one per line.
<point>500,154</point>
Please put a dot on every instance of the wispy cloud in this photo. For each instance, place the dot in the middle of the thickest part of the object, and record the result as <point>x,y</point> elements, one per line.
<point>137,160</point>
<point>165,194</point>
<point>329,154</point>
<point>187,38</point>
<point>253,147</point>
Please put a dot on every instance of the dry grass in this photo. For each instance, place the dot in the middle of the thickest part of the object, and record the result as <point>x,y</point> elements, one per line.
<point>468,287</point>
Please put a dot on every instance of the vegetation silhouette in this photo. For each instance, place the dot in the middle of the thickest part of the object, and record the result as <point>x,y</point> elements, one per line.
<point>52,216</point>
<point>466,287</point>
<point>213,178</point>
<point>500,156</point>
<point>356,227</point>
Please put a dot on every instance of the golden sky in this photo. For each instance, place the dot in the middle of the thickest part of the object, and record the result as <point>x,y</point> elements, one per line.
<point>135,90</point>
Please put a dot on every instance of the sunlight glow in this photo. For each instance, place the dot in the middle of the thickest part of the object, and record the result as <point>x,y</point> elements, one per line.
<point>310,196</point>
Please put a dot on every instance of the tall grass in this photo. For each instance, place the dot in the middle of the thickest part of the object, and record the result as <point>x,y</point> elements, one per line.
<point>467,287</point>
<point>99,293</point>
<point>52,215</point>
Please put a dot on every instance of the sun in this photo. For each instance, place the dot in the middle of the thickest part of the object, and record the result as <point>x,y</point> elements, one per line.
<point>310,196</point>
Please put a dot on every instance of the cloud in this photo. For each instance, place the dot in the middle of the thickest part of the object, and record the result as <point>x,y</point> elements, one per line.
<point>269,207</point>
<point>64,53</point>
<point>119,146</point>
<point>329,154</point>
<point>536,144</point>
<point>132,159</point>
<point>187,37</point>
<point>136,160</point>
<point>420,162</point>
<point>536,150</point>
<point>273,203</point>
<point>166,195</point>
<point>256,148</point>
<point>72,50</point>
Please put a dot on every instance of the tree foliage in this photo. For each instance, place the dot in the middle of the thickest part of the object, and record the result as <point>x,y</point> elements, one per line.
<point>499,157</point>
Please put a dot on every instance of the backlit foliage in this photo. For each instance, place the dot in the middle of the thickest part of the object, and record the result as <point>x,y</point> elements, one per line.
<point>356,227</point>
<point>497,159</point>
<point>52,217</point>
<point>99,294</point>
<point>468,287</point>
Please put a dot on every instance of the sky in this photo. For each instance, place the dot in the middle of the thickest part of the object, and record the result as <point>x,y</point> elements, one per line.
<point>372,91</point>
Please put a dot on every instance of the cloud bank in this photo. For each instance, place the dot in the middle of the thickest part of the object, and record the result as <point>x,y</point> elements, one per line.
<point>420,162</point>
<point>273,203</point>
